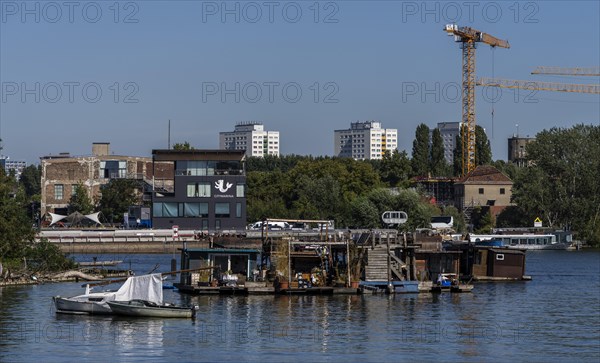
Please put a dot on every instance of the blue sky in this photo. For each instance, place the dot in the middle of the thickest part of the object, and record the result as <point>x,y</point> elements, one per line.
<point>188,61</point>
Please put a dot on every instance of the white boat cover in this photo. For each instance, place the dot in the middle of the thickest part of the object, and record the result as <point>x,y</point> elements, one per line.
<point>145,287</point>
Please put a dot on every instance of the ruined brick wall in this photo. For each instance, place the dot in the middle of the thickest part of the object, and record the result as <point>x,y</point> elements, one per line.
<point>71,171</point>
<point>162,170</point>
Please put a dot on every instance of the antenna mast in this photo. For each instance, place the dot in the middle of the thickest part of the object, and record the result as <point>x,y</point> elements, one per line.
<point>169,136</point>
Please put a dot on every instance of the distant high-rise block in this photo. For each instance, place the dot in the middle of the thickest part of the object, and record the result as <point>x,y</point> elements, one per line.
<point>449,132</point>
<point>365,140</point>
<point>15,166</point>
<point>251,137</point>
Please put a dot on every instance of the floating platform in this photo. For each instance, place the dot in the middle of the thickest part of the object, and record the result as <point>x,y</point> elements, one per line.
<point>500,279</point>
<point>225,290</point>
<point>428,286</point>
<point>256,289</point>
<point>397,287</point>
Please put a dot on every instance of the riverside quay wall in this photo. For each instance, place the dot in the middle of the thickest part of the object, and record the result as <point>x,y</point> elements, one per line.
<point>140,241</point>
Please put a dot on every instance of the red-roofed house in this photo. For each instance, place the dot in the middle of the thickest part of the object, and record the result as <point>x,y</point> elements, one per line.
<point>484,186</point>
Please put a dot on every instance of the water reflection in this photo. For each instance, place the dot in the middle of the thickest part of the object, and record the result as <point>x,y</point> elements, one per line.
<point>512,321</point>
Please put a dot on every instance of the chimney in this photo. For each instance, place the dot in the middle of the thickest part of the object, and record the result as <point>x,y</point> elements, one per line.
<point>100,148</point>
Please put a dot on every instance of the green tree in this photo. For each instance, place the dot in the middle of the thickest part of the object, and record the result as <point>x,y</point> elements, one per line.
<point>394,169</point>
<point>419,210</point>
<point>482,220</point>
<point>117,196</point>
<point>30,183</point>
<point>417,207</point>
<point>514,216</point>
<point>437,161</point>
<point>268,195</point>
<point>15,226</point>
<point>30,180</point>
<point>80,200</point>
<point>363,213</point>
<point>185,146</point>
<point>420,151</point>
<point>509,169</point>
<point>46,256</point>
<point>17,235</point>
<point>483,150</point>
<point>282,163</point>
<point>562,185</point>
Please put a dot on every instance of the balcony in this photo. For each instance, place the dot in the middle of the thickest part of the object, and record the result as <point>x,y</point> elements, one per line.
<point>208,172</point>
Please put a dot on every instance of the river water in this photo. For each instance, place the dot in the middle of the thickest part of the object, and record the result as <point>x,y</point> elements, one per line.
<point>554,317</point>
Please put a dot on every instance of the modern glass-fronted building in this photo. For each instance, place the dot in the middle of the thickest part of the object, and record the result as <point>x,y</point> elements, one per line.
<point>200,190</point>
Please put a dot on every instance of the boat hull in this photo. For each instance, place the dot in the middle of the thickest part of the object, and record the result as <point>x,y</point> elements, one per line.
<point>554,246</point>
<point>455,288</point>
<point>69,306</point>
<point>132,308</point>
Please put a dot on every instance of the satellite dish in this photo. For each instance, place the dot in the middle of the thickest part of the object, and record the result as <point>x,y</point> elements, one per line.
<point>394,217</point>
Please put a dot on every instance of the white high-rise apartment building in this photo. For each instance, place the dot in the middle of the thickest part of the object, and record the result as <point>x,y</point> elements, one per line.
<point>252,137</point>
<point>449,132</point>
<point>365,140</point>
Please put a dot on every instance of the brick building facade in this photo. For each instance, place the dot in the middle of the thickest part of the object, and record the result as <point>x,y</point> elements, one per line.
<point>62,173</point>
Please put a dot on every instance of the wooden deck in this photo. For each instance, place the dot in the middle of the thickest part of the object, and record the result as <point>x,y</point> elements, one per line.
<point>263,290</point>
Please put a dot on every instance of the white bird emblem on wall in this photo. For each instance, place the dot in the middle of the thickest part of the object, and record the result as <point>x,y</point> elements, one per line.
<point>220,187</point>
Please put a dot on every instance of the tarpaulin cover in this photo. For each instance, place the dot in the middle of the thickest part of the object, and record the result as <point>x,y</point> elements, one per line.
<point>145,287</point>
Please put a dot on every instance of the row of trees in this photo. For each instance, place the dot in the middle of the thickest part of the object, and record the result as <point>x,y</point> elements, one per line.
<point>428,154</point>
<point>561,185</point>
<point>348,191</point>
<point>16,228</point>
<point>115,199</point>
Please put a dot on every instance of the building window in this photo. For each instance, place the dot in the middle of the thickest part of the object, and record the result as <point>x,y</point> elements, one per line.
<point>478,256</point>
<point>199,189</point>
<point>205,224</point>
<point>195,210</point>
<point>217,224</point>
<point>165,210</point>
<point>113,169</point>
<point>221,210</point>
<point>239,191</point>
<point>73,189</point>
<point>238,210</point>
<point>502,191</point>
<point>480,190</point>
<point>58,191</point>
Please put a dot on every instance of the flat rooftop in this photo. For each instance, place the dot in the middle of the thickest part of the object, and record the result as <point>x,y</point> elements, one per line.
<point>198,154</point>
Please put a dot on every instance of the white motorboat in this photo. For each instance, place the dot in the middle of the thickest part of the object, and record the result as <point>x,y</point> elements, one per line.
<point>88,303</point>
<point>145,287</point>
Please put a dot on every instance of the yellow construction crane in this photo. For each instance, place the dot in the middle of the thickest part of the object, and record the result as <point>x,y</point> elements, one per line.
<point>562,71</point>
<point>468,37</point>
<point>539,86</point>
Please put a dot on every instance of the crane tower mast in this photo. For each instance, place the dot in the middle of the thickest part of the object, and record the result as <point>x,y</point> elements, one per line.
<point>468,37</point>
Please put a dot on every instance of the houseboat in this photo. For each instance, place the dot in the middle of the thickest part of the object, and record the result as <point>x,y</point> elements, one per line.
<point>521,241</point>
<point>490,263</point>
